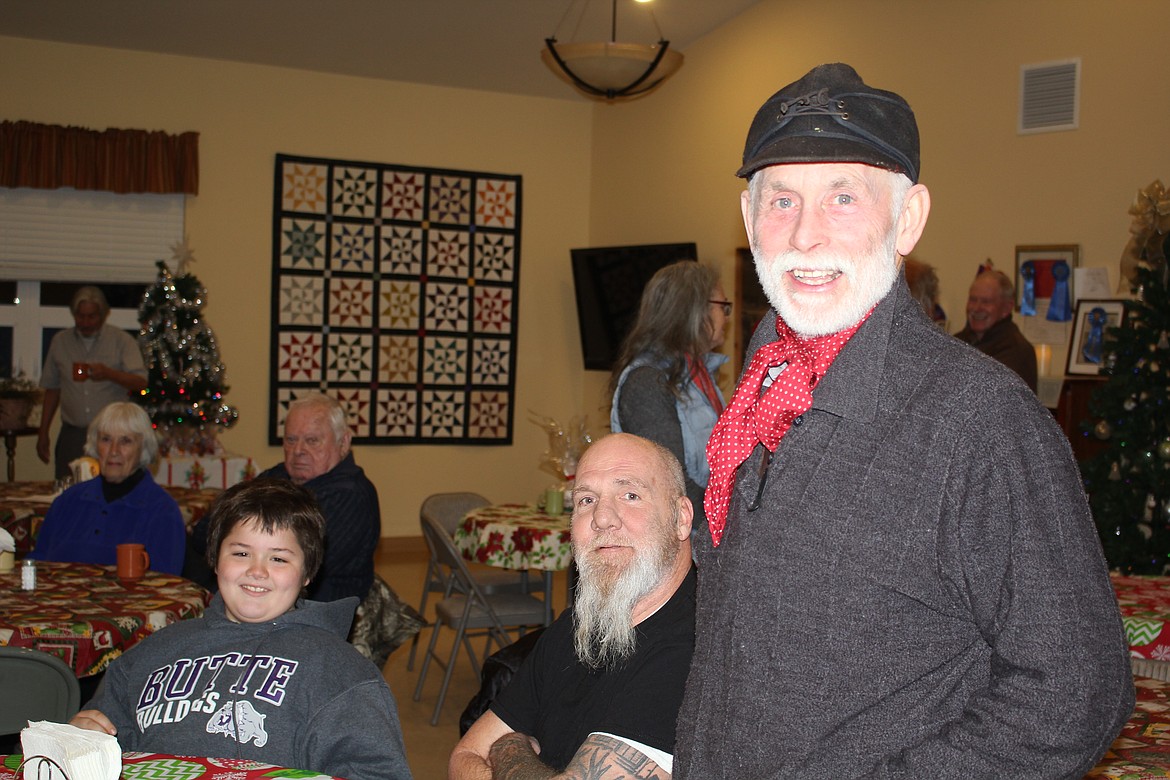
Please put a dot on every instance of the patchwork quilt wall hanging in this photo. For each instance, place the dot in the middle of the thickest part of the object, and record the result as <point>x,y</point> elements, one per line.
<point>394,289</point>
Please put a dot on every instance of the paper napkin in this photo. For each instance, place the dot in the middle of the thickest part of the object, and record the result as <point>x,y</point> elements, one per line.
<point>79,754</point>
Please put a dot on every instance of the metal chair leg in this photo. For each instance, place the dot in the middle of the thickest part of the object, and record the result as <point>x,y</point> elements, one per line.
<point>450,668</point>
<point>422,674</point>
<point>422,610</point>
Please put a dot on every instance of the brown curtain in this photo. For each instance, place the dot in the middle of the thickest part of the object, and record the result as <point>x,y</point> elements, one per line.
<point>51,156</point>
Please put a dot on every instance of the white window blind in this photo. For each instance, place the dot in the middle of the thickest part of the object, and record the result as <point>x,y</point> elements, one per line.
<point>86,235</point>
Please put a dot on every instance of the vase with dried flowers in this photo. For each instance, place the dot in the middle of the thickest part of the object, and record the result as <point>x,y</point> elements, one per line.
<point>18,395</point>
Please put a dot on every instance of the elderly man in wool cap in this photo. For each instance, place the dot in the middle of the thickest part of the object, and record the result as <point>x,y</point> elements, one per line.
<point>901,577</point>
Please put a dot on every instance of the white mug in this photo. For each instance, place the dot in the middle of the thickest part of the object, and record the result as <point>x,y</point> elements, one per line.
<point>83,468</point>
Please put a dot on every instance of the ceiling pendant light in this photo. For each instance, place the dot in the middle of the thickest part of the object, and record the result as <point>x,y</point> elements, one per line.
<point>612,71</point>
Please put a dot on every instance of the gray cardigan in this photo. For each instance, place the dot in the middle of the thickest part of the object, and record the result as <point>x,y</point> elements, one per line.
<point>922,593</point>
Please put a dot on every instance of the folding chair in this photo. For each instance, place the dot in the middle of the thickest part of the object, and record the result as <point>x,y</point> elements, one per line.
<point>36,686</point>
<point>469,612</point>
<point>447,509</point>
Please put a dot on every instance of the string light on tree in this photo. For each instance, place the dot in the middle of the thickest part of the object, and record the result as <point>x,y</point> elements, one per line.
<point>1128,481</point>
<point>185,385</point>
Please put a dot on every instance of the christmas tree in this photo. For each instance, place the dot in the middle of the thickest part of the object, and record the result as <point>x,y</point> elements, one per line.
<point>1128,481</point>
<point>185,386</point>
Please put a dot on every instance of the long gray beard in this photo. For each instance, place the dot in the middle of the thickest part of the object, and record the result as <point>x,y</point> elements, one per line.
<point>604,634</point>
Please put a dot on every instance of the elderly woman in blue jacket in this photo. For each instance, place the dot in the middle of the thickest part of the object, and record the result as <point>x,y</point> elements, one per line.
<point>87,522</point>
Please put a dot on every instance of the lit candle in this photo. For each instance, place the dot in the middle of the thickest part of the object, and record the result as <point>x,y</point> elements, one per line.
<point>1043,359</point>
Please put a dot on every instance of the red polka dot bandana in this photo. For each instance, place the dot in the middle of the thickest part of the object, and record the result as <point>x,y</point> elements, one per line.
<point>753,418</point>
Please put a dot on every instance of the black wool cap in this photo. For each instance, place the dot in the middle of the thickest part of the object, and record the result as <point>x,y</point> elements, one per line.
<point>831,115</point>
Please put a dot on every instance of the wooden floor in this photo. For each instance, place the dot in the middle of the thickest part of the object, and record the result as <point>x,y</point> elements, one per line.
<point>403,564</point>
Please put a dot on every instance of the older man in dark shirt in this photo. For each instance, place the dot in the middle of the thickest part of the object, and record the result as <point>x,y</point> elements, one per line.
<point>317,455</point>
<point>599,694</point>
<point>990,328</point>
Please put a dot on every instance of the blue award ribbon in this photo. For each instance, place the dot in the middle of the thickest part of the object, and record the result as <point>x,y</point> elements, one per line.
<point>1059,307</point>
<point>1095,340</point>
<point>1028,294</point>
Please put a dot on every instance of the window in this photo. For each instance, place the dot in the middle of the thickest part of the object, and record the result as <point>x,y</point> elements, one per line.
<point>54,241</point>
<point>31,313</point>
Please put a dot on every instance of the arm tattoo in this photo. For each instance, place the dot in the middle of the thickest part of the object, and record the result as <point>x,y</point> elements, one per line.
<point>603,757</point>
<point>599,758</point>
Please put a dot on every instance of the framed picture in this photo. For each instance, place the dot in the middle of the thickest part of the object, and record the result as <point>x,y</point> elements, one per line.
<point>1092,319</point>
<point>750,306</point>
<point>1042,259</point>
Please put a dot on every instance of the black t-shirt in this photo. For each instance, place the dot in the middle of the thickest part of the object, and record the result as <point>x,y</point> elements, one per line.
<point>561,702</point>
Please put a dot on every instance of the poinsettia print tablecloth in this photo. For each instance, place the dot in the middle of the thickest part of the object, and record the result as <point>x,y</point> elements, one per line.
<point>515,536</point>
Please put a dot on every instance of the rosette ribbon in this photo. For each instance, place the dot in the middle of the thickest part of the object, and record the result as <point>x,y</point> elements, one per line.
<point>1094,342</point>
<point>1028,294</point>
<point>1060,306</point>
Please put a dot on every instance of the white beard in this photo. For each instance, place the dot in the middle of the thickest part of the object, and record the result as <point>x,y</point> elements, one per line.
<point>604,633</point>
<point>869,277</point>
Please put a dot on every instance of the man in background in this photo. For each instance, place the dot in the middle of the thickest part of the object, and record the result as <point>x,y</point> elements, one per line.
<point>598,695</point>
<point>923,282</point>
<point>88,366</point>
<point>990,328</point>
<point>317,455</point>
<point>902,578</point>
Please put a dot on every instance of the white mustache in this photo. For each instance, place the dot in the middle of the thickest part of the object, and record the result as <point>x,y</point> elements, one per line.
<point>793,260</point>
<point>607,541</point>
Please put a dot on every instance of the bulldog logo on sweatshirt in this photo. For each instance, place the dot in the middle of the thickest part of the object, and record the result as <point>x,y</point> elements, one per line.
<point>245,726</point>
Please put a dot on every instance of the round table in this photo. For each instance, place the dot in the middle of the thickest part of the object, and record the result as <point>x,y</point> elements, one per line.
<point>149,766</point>
<point>83,614</point>
<point>515,536</point>
<point>521,537</point>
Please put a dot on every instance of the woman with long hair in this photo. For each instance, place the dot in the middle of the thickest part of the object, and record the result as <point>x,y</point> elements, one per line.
<point>664,380</point>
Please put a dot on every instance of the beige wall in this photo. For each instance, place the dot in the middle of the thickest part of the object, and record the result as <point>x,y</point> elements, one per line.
<point>247,114</point>
<point>655,170</point>
<point>958,63</point>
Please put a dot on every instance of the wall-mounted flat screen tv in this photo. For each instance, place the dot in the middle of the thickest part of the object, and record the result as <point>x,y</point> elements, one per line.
<point>608,282</point>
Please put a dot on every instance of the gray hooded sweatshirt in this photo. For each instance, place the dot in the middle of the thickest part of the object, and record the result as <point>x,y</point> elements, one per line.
<point>290,692</point>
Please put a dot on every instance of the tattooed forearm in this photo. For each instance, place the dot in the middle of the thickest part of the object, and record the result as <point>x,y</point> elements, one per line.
<point>599,758</point>
<point>603,756</point>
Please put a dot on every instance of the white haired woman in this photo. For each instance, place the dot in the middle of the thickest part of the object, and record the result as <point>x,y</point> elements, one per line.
<point>87,522</point>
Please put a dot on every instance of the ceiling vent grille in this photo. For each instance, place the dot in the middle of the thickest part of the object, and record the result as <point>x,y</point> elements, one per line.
<point>1050,96</point>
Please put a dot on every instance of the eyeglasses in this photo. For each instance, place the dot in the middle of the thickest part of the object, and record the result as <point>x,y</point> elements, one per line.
<point>726,307</point>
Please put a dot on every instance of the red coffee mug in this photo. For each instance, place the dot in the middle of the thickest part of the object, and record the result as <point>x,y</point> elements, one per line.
<point>80,372</point>
<point>133,561</point>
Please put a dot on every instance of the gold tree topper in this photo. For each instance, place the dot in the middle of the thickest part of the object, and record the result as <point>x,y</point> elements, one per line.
<point>1151,223</point>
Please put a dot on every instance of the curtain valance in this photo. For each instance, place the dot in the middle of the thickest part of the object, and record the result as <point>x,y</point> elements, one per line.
<point>122,161</point>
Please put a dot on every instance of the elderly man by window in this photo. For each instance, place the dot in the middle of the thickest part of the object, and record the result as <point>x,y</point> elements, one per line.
<point>88,366</point>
